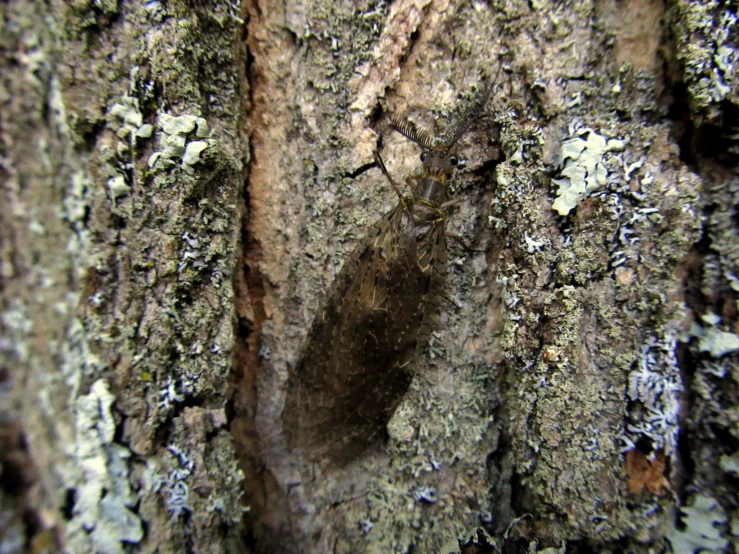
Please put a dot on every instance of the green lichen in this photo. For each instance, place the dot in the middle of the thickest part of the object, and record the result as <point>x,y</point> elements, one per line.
<point>174,142</point>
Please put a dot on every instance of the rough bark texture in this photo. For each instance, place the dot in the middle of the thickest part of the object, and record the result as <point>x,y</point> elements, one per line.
<point>182,181</point>
<point>117,266</point>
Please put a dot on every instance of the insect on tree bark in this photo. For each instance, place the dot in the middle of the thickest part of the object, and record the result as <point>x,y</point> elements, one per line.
<point>359,355</point>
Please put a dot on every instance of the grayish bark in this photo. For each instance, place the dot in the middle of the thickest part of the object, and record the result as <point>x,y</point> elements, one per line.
<point>120,237</point>
<point>181,182</point>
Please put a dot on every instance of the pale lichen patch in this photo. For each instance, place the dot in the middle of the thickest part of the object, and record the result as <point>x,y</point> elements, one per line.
<point>703,520</point>
<point>174,143</point>
<point>583,170</point>
<point>656,383</point>
<point>713,340</point>
<point>103,517</point>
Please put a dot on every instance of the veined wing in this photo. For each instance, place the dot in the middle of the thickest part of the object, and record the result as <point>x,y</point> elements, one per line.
<point>357,361</point>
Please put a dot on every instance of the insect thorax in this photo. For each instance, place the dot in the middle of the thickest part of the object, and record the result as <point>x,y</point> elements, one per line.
<point>431,189</point>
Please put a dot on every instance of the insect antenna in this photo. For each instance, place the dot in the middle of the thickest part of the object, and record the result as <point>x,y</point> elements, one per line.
<point>409,130</point>
<point>462,122</point>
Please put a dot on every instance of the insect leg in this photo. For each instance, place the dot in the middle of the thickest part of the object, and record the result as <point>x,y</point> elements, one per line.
<point>445,205</point>
<point>393,184</point>
<point>461,241</point>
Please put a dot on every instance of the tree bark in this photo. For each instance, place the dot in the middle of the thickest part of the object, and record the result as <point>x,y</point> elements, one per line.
<point>182,182</point>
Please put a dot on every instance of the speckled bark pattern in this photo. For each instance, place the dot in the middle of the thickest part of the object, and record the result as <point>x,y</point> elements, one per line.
<point>167,166</point>
<point>122,150</point>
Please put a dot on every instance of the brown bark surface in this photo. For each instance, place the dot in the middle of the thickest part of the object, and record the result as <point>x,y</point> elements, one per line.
<point>181,182</point>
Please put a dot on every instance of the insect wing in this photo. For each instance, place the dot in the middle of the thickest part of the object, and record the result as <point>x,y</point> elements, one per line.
<point>358,358</point>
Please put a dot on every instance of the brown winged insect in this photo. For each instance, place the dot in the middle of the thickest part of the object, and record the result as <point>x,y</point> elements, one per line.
<point>358,358</point>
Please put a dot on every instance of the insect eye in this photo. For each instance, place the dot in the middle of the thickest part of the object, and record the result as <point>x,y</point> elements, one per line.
<point>424,155</point>
<point>453,160</point>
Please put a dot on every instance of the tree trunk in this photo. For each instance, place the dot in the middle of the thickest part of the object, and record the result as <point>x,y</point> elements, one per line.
<point>182,182</point>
